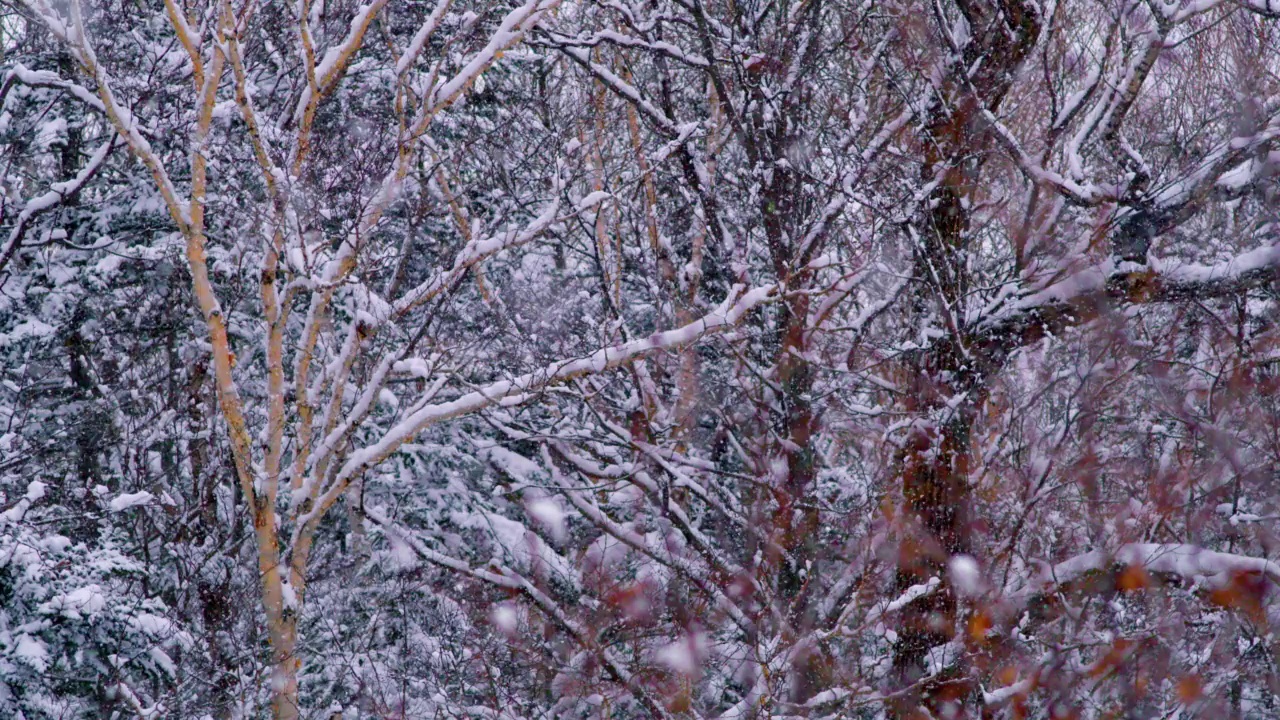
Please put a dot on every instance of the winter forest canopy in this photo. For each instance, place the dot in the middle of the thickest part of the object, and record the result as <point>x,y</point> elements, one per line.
<point>639,359</point>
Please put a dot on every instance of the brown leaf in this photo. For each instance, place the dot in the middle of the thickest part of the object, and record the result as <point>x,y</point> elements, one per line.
<point>1190,689</point>
<point>1133,578</point>
<point>979,624</point>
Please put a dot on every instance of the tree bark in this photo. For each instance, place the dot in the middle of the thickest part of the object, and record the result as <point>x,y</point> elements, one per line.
<point>933,463</point>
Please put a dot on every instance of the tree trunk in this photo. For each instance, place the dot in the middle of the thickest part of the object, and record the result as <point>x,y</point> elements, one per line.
<point>933,463</point>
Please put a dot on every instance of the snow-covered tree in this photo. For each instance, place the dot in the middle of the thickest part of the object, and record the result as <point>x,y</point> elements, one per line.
<point>537,358</point>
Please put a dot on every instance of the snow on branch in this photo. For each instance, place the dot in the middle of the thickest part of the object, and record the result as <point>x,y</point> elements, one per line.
<point>1192,563</point>
<point>333,65</point>
<point>1080,296</point>
<point>45,78</point>
<point>510,31</point>
<point>473,253</point>
<point>517,390</point>
<point>57,193</point>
